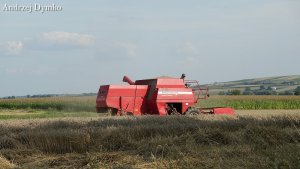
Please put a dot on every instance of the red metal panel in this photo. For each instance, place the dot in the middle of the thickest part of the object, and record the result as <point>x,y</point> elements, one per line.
<point>122,97</point>
<point>151,96</point>
<point>101,98</point>
<point>162,108</point>
<point>223,110</point>
<point>139,106</point>
<point>170,83</point>
<point>127,90</point>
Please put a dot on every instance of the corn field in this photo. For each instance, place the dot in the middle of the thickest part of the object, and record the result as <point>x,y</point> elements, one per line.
<point>252,102</point>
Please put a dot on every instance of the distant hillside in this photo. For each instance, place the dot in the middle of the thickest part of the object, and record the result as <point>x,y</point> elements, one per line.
<point>268,85</point>
<point>280,85</point>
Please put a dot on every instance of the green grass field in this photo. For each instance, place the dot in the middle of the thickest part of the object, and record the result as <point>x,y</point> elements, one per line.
<point>88,103</point>
<point>71,104</point>
<point>252,102</point>
<point>85,106</point>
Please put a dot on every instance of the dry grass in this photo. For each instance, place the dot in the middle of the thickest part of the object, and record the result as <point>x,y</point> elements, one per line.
<point>34,122</point>
<point>76,139</point>
<point>5,164</point>
<point>8,114</point>
<point>259,139</point>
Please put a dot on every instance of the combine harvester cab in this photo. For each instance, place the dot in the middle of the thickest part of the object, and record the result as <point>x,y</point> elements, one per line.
<point>158,96</point>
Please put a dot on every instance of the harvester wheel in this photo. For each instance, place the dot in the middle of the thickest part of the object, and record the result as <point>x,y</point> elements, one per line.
<point>192,111</point>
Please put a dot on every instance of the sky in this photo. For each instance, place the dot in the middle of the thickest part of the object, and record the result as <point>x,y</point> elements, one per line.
<point>75,46</point>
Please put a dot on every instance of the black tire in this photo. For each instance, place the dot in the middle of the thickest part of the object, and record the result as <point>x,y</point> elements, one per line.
<point>191,111</point>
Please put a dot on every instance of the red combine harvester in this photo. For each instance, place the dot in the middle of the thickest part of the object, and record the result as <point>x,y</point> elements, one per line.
<point>158,96</point>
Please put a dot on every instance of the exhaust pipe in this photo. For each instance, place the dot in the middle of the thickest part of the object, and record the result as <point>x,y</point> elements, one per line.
<point>129,81</point>
<point>182,76</point>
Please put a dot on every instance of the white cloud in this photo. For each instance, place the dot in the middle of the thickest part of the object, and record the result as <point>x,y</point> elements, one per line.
<point>116,51</point>
<point>14,47</point>
<point>67,38</point>
<point>48,41</point>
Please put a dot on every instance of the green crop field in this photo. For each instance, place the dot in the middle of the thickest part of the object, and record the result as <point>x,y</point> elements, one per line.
<point>252,102</point>
<point>84,103</point>
<point>66,132</point>
<point>88,103</point>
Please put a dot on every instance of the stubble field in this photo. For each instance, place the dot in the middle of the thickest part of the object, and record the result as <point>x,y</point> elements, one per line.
<point>66,133</point>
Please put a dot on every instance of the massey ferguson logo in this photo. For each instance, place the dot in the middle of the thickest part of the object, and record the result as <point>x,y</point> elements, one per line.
<point>167,92</point>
